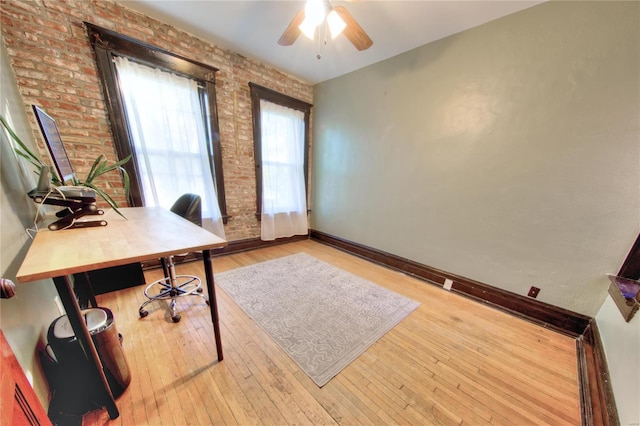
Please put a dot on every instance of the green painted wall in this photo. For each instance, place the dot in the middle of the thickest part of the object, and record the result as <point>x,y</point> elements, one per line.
<point>508,154</point>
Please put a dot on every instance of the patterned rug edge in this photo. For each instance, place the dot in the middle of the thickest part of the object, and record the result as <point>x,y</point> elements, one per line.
<point>324,377</point>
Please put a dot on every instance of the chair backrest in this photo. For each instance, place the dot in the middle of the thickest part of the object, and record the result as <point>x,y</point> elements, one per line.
<point>189,206</point>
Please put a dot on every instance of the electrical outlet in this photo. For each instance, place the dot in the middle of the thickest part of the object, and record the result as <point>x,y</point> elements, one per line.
<point>447,284</point>
<point>533,292</point>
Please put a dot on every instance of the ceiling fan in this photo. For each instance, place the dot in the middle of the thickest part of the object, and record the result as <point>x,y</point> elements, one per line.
<point>338,21</point>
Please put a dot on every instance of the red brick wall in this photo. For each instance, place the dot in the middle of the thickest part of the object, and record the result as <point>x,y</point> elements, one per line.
<point>54,66</point>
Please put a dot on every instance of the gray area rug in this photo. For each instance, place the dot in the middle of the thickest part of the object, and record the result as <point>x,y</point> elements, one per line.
<point>323,317</point>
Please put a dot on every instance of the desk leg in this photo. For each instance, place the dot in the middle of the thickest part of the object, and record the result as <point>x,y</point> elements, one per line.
<point>63,285</point>
<point>213,302</point>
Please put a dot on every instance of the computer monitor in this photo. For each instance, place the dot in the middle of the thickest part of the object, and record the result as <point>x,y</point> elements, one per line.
<point>52,138</point>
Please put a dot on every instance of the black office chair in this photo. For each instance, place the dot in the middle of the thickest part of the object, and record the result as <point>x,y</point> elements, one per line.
<point>172,286</point>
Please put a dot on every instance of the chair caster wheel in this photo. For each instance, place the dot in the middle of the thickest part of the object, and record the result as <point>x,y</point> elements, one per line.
<point>176,318</point>
<point>143,313</point>
<point>200,290</point>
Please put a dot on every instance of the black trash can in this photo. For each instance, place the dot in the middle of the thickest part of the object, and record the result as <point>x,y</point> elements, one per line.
<point>73,392</point>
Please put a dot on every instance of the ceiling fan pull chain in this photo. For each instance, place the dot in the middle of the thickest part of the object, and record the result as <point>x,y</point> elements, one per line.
<point>319,42</point>
<point>322,39</point>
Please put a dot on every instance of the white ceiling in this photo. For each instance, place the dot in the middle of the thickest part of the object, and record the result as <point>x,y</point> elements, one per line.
<point>252,28</point>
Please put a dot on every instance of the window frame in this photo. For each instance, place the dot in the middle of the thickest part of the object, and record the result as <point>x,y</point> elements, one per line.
<point>106,44</point>
<point>259,93</point>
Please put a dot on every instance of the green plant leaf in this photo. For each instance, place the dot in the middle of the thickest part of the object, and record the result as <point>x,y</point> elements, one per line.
<point>24,150</point>
<point>99,167</point>
<point>30,159</point>
<point>116,166</point>
<point>106,197</point>
<point>126,181</point>
<point>93,171</point>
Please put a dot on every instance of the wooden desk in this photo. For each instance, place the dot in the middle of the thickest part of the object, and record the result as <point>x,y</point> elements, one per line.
<point>148,233</point>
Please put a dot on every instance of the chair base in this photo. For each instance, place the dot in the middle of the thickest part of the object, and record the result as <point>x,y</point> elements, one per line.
<point>172,288</point>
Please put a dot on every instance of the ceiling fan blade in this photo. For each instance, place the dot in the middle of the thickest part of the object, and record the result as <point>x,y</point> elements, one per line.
<point>292,32</point>
<point>353,31</point>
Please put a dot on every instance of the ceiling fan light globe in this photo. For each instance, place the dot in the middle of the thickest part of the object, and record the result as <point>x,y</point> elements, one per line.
<point>335,23</point>
<point>314,12</point>
<point>308,28</point>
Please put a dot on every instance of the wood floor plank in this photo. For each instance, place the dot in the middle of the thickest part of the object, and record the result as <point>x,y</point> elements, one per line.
<point>364,404</point>
<point>451,361</point>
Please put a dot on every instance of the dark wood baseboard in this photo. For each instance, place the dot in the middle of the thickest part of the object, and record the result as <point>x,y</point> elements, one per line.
<point>597,401</point>
<point>559,319</point>
<point>596,395</point>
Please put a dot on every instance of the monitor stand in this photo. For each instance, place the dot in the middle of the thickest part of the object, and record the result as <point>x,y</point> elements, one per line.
<point>78,203</point>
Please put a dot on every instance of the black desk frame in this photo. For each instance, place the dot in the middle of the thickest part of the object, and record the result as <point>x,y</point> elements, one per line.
<point>72,308</point>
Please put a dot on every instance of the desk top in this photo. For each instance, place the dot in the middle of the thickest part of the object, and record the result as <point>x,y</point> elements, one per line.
<point>148,233</point>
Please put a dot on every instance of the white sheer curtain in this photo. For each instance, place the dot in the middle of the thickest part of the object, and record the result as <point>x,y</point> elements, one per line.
<point>169,139</point>
<point>284,203</point>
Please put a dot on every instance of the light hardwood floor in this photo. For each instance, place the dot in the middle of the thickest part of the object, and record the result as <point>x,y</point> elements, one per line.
<point>451,361</point>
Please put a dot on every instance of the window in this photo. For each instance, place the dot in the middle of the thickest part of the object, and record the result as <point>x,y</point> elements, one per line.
<point>199,164</point>
<point>281,138</point>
